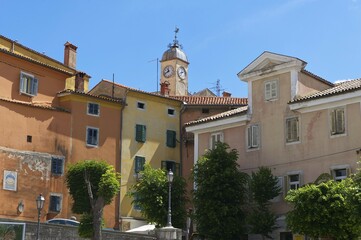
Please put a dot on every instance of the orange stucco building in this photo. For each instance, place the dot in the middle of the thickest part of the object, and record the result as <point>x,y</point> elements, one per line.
<point>48,120</point>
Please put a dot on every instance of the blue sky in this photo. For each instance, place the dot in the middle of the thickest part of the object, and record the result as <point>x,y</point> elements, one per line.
<point>220,38</point>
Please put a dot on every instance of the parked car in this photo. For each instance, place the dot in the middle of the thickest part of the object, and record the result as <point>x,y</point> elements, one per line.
<point>63,221</point>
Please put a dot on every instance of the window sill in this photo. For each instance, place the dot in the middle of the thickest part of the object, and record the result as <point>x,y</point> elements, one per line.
<point>27,94</point>
<point>336,135</point>
<point>293,142</point>
<point>91,146</point>
<point>253,149</point>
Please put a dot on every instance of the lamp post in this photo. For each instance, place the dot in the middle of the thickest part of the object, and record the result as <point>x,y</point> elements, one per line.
<point>39,205</point>
<point>170,180</point>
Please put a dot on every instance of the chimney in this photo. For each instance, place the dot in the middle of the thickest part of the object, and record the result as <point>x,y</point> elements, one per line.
<point>164,88</point>
<point>79,81</point>
<point>70,55</point>
<point>226,94</point>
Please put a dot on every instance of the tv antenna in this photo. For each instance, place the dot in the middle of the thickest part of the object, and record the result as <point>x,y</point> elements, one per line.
<point>218,88</point>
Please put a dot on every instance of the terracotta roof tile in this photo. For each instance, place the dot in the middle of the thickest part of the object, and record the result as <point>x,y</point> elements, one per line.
<point>201,100</point>
<point>109,99</point>
<point>132,89</point>
<point>317,77</point>
<point>44,105</point>
<point>340,88</point>
<point>230,113</point>
<point>34,61</point>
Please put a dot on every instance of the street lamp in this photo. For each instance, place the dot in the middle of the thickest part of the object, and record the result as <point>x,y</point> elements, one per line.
<point>39,205</point>
<point>170,180</point>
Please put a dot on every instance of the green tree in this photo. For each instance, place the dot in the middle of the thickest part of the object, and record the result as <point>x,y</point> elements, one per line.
<point>264,187</point>
<point>329,209</point>
<point>150,193</point>
<point>92,185</point>
<point>219,194</point>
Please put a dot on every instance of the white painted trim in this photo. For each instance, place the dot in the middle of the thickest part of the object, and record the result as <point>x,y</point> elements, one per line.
<point>218,125</point>
<point>294,83</point>
<point>327,102</point>
<point>250,94</point>
<point>279,69</point>
<point>91,114</point>
<point>269,56</point>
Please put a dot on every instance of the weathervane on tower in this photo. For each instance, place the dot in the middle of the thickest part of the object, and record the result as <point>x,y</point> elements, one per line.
<point>175,41</point>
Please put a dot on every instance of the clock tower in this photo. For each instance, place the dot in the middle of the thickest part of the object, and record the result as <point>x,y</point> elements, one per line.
<point>174,69</point>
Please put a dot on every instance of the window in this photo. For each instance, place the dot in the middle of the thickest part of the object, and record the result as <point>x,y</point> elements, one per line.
<point>337,116</point>
<point>55,203</point>
<point>139,164</point>
<point>270,90</point>
<point>93,109</point>
<point>57,165</point>
<point>280,181</point>
<point>175,167</point>
<point>171,112</point>
<point>205,110</point>
<point>92,136</point>
<point>171,138</point>
<point>140,133</point>
<point>294,181</point>
<point>292,132</point>
<point>340,174</point>
<point>253,136</point>
<point>135,205</point>
<point>141,105</point>
<point>215,137</point>
<point>28,84</point>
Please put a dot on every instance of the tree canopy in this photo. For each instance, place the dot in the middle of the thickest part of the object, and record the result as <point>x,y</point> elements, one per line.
<point>219,194</point>
<point>329,209</point>
<point>92,185</point>
<point>264,187</point>
<point>150,193</point>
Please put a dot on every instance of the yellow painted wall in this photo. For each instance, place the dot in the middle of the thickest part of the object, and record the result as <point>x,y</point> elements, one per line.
<point>155,117</point>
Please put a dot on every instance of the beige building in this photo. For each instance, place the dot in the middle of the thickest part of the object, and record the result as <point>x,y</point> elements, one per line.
<point>296,123</point>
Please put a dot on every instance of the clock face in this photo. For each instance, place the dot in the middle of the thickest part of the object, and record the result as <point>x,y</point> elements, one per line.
<point>182,72</point>
<point>168,71</point>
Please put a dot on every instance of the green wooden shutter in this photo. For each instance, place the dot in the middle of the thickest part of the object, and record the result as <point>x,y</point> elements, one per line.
<point>140,133</point>
<point>171,138</point>
<point>139,164</point>
<point>177,170</point>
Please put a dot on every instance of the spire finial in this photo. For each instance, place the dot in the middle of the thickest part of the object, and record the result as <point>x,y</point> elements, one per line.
<point>175,41</point>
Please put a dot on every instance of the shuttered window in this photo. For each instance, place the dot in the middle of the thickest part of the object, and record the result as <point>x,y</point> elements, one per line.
<point>55,203</point>
<point>93,109</point>
<point>337,116</point>
<point>292,130</point>
<point>271,90</point>
<point>28,84</point>
<point>171,165</point>
<point>92,136</point>
<point>57,165</point>
<point>171,138</point>
<point>253,136</point>
<point>140,133</point>
<point>139,164</point>
<point>215,138</point>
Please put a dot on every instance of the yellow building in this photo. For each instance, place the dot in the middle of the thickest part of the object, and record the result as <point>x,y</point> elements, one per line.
<point>150,133</point>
